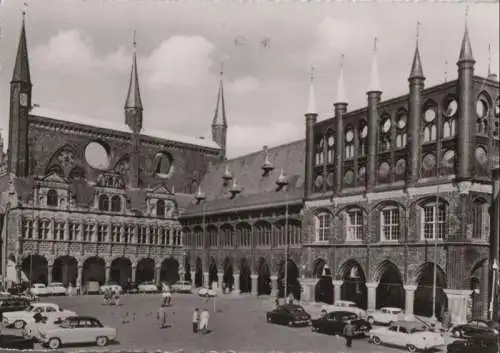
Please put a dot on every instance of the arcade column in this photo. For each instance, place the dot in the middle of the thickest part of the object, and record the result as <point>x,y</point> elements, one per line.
<point>309,285</point>
<point>206,279</point>
<point>236,289</point>
<point>337,294</point>
<point>409,300</point>
<point>79,276</point>
<point>49,273</point>
<point>108,273</point>
<point>255,283</point>
<point>134,271</point>
<point>274,286</point>
<point>193,279</point>
<point>457,304</point>
<point>157,275</point>
<point>372,294</point>
<point>220,276</point>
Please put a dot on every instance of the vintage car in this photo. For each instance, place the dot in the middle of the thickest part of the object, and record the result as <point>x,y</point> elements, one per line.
<point>12,303</point>
<point>77,330</point>
<point>39,289</point>
<point>182,287</point>
<point>205,292</point>
<point>147,287</point>
<point>32,330</point>
<point>56,288</point>
<point>288,314</point>
<point>385,315</point>
<point>16,342</point>
<point>413,335</point>
<point>334,322</point>
<point>114,287</point>
<point>483,343</point>
<point>475,327</point>
<point>19,319</point>
<point>345,305</point>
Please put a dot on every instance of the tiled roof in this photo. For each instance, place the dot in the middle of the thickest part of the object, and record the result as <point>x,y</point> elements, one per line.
<point>256,188</point>
<point>120,127</point>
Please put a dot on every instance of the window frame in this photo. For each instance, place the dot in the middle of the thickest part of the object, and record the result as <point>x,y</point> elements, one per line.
<point>354,232</point>
<point>425,211</point>
<point>391,226</point>
<point>52,198</point>
<point>323,225</point>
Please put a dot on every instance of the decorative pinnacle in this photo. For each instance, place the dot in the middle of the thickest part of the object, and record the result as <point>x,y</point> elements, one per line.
<point>221,73</point>
<point>25,10</point>
<point>341,93</point>
<point>374,80</point>
<point>446,71</point>
<point>489,59</point>
<point>134,43</point>
<point>418,32</point>
<point>311,74</point>
<point>311,107</point>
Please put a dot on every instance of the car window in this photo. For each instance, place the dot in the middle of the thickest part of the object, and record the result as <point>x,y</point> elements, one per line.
<point>50,309</point>
<point>403,330</point>
<point>96,323</point>
<point>383,311</point>
<point>393,328</point>
<point>38,310</point>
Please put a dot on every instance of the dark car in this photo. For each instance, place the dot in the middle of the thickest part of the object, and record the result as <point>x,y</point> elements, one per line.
<point>18,288</point>
<point>484,343</point>
<point>475,327</point>
<point>9,304</point>
<point>130,287</point>
<point>289,314</point>
<point>334,322</point>
<point>16,342</point>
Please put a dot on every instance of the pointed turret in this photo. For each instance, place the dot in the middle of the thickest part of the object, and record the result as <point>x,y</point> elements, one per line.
<point>311,104</point>
<point>133,103</point>
<point>466,48</point>
<point>416,67</point>
<point>340,107</point>
<point>219,121</point>
<point>374,80</point>
<point>341,92</point>
<point>311,118</point>
<point>491,75</point>
<point>21,67</point>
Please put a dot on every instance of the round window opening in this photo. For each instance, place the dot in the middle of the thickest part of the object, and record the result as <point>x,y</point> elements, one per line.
<point>481,108</point>
<point>451,108</point>
<point>97,155</point>
<point>163,165</point>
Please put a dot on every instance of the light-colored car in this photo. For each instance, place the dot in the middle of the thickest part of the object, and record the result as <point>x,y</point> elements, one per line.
<point>182,287</point>
<point>77,330</point>
<point>345,305</point>
<point>410,334</point>
<point>39,289</point>
<point>205,292</point>
<point>113,286</point>
<point>19,319</point>
<point>56,288</point>
<point>147,287</point>
<point>32,330</point>
<point>385,315</point>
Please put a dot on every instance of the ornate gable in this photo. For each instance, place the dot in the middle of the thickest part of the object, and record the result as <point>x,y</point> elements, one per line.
<point>63,160</point>
<point>53,178</point>
<point>161,190</point>
<point>110,180</point>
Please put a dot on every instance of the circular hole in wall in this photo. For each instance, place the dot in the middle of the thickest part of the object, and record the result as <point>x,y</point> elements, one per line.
<point>97,155</point>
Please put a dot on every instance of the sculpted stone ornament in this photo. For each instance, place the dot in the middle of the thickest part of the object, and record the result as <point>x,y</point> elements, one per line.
<point>66,159</point>
<point>464,187</point>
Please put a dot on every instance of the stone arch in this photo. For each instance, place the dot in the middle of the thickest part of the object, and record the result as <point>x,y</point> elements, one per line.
<point>264,279</point>
<point>55,169</point>
<point>169,271</point>
<point>212,272</point>
<point>145,270</point>
<point>65,270</point>
<point>390,290</point>
<point>423,279</point>
<point>198,276</point>
<point>245,276</point>
<point>53,160</point>
<point>293,284</point>
<point>120,270</point>
<point>35,268</point>
<point>227,278</point>
<point>478,284</point>
<point>353,283</point>
<point>323,290</point>
<point>350,207</point>
<point>94,269</point>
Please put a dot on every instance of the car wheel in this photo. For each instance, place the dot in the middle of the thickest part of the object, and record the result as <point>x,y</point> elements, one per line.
<point>371,320</point>
<point>411,348</point>
<point>102,341</point>
<point>19,324</point>
<point>54,343</point>
<point>376,340</point>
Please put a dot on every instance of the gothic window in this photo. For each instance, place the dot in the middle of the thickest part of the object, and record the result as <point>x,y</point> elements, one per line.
<point>433,221</point>
<point>482,109</point>
<point>88,232</point>
<point>28,228</point>
<point>115,233</point>
<point>116,203</point>
<point>385,133</point>
<point>349,143</point>
<point>320,153</point>
<point>163,164</point>
<point>322,223</point>
<point>141,234</point>
<point>59,231</point>
<point>354,225</point>
<point>362,138</point>
<point>450,118</point>
<point>52,198</point>
<point>330,146</point>
<point>168,238</point>
<point>43,229</point>
<point>102,229</point>
<point>496,120</point>
<point>401,130</point>
<point>480,219</point>
<point>103,203</point>
<point>429,123</point>
<point>74,231</point>
<point>154,236</point>
<point>212,236</point>
<point>389,224</point>
<point>160,208</point>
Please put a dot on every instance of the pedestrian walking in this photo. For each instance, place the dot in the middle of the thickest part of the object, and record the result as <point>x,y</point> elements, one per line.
<point>196,320</point>
<point>162,314</point>
<point>348,333</point>
<point>204,317</point>
<point>117,297</point>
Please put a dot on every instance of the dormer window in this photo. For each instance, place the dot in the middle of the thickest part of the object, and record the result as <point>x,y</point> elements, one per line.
<point>103,203</point>
<point>385,133</point>
<point>52,199</point>
<point>199,196</point>
<point>227,176</point>
<point>349,143</point>
<point>362,138</point>
<point>450,119</point>
<point>282,180</point>
<point>401,135</point>
<point>330,146</point>
<point>267,166</point>
<point>235,189</point>
<point>429,122</point>
<point>160,208</point>
<point>116,204</point>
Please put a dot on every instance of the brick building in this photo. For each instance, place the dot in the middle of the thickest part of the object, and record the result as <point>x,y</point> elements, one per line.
<point>84,199</point>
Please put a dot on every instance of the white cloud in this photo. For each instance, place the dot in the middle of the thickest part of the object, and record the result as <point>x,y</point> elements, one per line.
<point>182,60</point>
<point>244,85</point>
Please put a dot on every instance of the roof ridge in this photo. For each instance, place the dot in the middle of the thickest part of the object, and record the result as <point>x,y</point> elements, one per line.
<point>270,149</point>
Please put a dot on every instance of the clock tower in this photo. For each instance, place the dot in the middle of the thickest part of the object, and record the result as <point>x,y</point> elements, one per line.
<point>20,105</point>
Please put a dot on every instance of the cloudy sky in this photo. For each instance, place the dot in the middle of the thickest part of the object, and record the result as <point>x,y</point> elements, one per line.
<point>80,56</point>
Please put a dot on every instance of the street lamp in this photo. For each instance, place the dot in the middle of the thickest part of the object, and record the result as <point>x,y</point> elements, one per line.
<point>282,182</point>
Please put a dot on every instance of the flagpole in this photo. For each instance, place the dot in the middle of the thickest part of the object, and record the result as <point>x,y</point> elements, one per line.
<point>434,275</point>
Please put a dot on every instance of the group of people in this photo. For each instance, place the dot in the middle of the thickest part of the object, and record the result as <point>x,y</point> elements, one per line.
<point>200,320</point>
<point>111,297</point>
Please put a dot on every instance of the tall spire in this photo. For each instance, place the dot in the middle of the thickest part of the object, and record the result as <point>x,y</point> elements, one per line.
<point>220,109</point>
<point>134,94</point>
<point>374,80</point>
<point>311,104</point>
<point>489,60</point>
<point>466,48</point>
<point>341,92</point>
<point>21,67</point>
<point>416,67</point>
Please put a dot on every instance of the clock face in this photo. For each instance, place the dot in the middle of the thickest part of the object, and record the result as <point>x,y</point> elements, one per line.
<point>430,115</point>
<point>451,109</point>
<point>364,131</point>
<point>23,99</point>
<point>349,136</point>
<point>387,125</point>
<point>402,121</point>
<point>448,159</point>
<point>400,166</point>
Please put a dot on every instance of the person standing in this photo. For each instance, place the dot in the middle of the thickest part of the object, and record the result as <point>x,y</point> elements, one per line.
<point>348,333</point>
<point>162,314</point>
<point>204,316</point>
<point>196,320</point>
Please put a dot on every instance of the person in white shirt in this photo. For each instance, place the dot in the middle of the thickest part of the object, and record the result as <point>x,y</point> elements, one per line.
<point>204,316</point>
<point>196,320</point>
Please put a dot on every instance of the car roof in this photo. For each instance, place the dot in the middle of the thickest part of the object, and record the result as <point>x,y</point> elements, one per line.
<point>343,312</point>
<point>409,324</point>
<point>43,304</point>
<point>390,308</point>
<point>81,317</point>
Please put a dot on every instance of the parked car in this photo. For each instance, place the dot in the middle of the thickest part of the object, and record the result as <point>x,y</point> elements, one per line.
<point>92,287</point>
<point>77,330</point>
<point>32,330</point>
<point>182,287</point>
<point>288,314</point>
<point>475,327</point>
<point>205,292</point>
<point>148,287</point>
<point>39,289</point>
<point>111,285</point>
<point>334,322</point>
<point>484,343</point>
<point>12,303</point>
<point>16,342</point>
<point>410,334</point>
<point>19,319</point>
<point>385,315</point>
<point>345,305</point>
<point>56,288</point>
<point>130,287</point>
